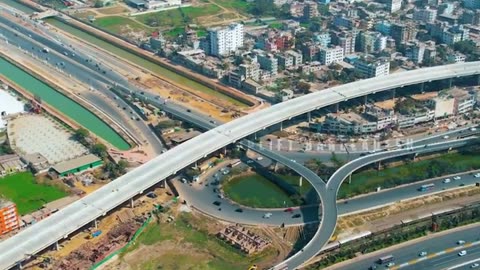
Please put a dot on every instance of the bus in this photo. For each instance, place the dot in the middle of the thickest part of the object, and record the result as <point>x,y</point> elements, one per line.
<point>426,187</point>
<point>386,259</point>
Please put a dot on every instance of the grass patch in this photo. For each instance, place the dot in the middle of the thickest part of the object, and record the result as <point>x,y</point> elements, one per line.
<point>177,17</point>
<point>112,10</point>
<point>209,251</point>
<point>120,24</point>
<point>368,181</point>
<point>293,180</point>
<point>256,191</point>
<point>29,196</point>
<point>275,25</point>
<point>241,6</point>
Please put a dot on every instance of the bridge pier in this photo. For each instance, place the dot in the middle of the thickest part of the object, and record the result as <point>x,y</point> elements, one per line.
<point>365,99</point>
<point>393,93</point>
<point>57,246</point>
<point>19,265</point>
<point>300,181</point>
<point>422,87</point>
<point>379,165</point>
<point>131,203</point>
<point>478,79</point>
<point>309,117</point>
<point>95,223</point>
<point>450,83</point>
<point>281,126</point>
<point>337,107</point>
<point>350,179</point>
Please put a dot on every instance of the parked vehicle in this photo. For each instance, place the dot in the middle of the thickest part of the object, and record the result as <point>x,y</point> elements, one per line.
<point>462,253</point>
<point>446,181</point>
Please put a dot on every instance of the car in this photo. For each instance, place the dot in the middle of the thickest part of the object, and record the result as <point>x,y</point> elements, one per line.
<point>183,180</point>
<point>446,137</point>
<point>446,181</point>
<point>188,110</point>
<point>457,178</point>
<point>477,175</point>
<point>422,254</point>
<point>460,242</point>
<point>288,210</point>
<point>390,264</point>
<point>239,210</point>
<point>462,253</point>
<point>221,196</point>
<point>217,203</point>
<point>259,158</point>
<point>151,195</point>
<point>213,122</point>
<point>473,129</point>
<point>267,215</point>
<point>296,216</point>
<point>475,265</point>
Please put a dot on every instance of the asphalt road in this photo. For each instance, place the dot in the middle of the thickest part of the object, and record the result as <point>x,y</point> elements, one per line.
<point>99,99</point>
<point>434,246</point>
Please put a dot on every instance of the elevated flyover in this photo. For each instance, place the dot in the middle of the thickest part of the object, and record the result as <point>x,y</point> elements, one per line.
<point>76,215</point>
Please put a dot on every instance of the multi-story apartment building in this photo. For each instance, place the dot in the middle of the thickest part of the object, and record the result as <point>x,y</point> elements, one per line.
<point>415,51</point>
<point>425,14</point>
<point>370,42</point>
<point>323,39</point>
<point>394,5</point>
<point>225,40</point>
<point>331,55</point>
<point>269,63</point>
<point>372,68</point>
<point>9,218</point>
<point>402,32</point>
<point>297,57</point>
<point>455,34</point>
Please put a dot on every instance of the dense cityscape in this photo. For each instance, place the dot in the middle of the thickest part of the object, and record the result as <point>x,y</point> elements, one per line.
<point>239,134</point>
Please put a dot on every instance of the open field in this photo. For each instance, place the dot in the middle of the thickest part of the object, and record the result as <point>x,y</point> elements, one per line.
<point>241,6</point>
<point>177,17</point>
<point>256,191</point>
<point>186,243</point>
<point>120,24</point>
<point>29,196</point>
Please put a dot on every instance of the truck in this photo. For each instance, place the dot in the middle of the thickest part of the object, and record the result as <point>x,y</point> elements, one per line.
<point>426,187</point>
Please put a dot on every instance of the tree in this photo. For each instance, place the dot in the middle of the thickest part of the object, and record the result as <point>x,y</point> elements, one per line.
<point>98,4</point>
<point>122,166</point>
<point>99,150</point>
<point>304,87</point>
<point>81,135</point>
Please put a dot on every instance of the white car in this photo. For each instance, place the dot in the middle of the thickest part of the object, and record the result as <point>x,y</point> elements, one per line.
<point>446,137</point>
<point>473,129</point>
<point>267,215</point>
<point>259,158</point>
<point>422,254</point>
<point>462,253</point>
<point>477,175</point>
<point>475,265</point>
<point>460,242</point>
<point>457,178</point>
<point>445,181</point>
<point>390,264</point>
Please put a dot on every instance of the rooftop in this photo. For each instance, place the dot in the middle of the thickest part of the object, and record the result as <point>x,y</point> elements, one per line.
<point>75,163</point>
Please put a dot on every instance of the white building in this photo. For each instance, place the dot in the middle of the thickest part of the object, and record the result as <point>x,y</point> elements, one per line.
<point>223,41</point>
<point>158,4</point>
<point>394,5</point>
<point>331,55</point>
<point>371,69</point>
<point>456,57</point>
<point>425,14</point>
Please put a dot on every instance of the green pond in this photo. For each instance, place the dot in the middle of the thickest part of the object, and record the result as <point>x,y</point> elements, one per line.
<point>62,103</point>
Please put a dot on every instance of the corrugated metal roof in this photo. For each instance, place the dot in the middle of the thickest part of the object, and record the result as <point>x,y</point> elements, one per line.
<point>75,163</point>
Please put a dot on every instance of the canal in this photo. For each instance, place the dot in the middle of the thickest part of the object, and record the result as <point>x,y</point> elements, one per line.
<point>63,104</point>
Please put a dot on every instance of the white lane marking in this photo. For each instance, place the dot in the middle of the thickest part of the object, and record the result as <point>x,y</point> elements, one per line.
<point>463,264</point>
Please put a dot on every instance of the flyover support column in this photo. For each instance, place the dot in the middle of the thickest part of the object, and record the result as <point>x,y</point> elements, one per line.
<point>300,181</point>
<point>281,126</point>
<point>365,99</point>
<point>337,107</point>
<point>422,87</point>
<point>95,223</point>
<point>57,246</point>
<point>478,79</point>
<point>131,203</point>
<point>379,165</point>
<point>275,167</point>
<point>309,117</point>
<point>19,265</point>
<point>350,179</point>
<point>450,82</point>
<point>393,93</point>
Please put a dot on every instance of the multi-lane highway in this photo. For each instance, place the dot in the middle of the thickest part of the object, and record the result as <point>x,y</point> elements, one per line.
<point>98,203</point>
<point>441,252</point>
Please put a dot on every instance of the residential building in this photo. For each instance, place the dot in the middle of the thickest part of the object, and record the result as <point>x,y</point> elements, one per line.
<point>456,57</point>
<point>346,40</point>
<point>323,39</point>
<point>383,27</point>
<point>420,116</point>
<point>310,10</point>
<point>284,95</point>
<point>9,218</point>
<point>250,71</point>
<point>425,14</point>
<point>284,60</point>
<point>372,68</point>
<point>11,164</point>
<point>370,42</point>
<point>346,123</point>
<point>297,57</point>
<point>471,17</point>
<point>455,34</point>
<point>394,5</point>
<point>455,101</point>
<point>415,51</point>
<point>331,55</point>
<point>268,62</point>
<point>430,50</point>
<point>225,40</point>
<point>402,32</point>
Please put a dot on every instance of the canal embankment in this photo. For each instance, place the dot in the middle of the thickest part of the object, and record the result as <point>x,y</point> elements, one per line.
<point>70,108</point>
